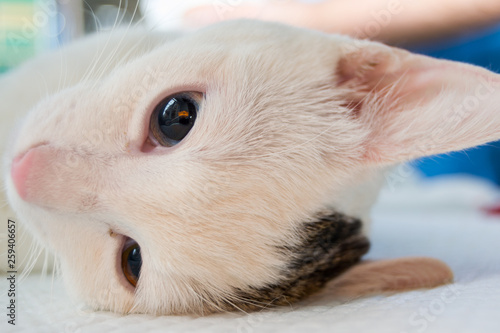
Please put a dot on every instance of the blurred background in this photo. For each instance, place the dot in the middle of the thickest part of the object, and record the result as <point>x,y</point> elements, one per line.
<point>442,28</point>
<point>422,211</point>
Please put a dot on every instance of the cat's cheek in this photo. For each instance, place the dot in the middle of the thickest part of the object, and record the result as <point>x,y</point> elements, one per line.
<point>88,253</point>
<point>96,278</point>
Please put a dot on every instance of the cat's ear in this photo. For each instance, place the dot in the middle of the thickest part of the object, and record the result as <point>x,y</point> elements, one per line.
<point>390,276</point>
<point>413,105</point>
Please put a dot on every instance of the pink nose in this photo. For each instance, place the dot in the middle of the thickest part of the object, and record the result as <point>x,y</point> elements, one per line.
<point>20,171</point>
<point>51,178</point>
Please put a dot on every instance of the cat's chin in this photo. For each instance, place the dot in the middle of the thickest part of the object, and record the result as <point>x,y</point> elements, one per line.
<point>330,244</point>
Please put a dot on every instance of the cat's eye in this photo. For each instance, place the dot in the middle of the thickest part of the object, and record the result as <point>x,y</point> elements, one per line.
<point>131,261</point>
<point>173,118</point>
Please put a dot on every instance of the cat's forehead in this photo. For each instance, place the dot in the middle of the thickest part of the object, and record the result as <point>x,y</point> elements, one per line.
<point>228,50</point>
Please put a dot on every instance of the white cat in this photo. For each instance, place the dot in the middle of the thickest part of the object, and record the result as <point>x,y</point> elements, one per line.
<point>229,168</point>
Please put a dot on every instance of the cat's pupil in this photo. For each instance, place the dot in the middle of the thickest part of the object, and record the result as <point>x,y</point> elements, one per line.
<point>135,255</point>
<point>176,117</point>
<point>134,261</point>
<point>131,261</point>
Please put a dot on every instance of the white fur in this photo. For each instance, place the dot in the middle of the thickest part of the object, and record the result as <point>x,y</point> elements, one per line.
<point>274,143</point>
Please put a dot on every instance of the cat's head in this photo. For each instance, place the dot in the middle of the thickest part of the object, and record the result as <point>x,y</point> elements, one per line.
<point>233,156</point>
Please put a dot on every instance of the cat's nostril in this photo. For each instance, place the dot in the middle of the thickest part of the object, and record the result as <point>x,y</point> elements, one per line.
<point>20,170</point>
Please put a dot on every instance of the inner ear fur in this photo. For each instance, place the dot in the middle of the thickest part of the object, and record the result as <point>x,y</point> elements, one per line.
<point>414,105</point>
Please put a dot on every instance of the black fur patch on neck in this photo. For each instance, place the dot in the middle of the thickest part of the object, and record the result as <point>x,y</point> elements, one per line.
<point>332,242</point>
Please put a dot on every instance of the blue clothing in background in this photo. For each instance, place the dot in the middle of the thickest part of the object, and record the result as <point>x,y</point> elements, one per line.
<point>482,49</point>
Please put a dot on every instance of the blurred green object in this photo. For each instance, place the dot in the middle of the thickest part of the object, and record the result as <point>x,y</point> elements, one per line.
<point>26,28</point>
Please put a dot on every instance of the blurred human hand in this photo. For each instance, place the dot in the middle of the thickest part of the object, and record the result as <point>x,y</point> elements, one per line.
<point>391,21</point>
<point>286,11</point>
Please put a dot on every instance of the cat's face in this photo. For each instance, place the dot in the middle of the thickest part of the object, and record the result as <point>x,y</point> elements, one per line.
<point>210,213</point>
<point>277,132</point>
